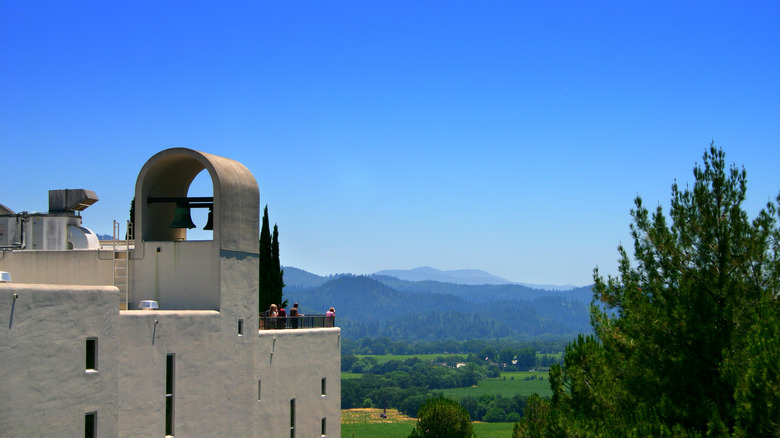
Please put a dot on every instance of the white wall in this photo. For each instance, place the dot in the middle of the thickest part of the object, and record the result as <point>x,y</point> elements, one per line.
<point>202,374</point>
<point>178,275</point>
<point>85,267</point>
<point>45,389</point>
<point>217,372</point>
<point>291,364</point>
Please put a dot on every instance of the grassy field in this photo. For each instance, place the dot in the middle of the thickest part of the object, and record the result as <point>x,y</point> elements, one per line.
<point>505,386</point>
<point>388,357</point>
<point>558,355</point>
<point>494,430</point>
<point>366,423</point>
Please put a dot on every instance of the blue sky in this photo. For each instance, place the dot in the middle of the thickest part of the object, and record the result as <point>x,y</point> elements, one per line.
<point>505,136</point>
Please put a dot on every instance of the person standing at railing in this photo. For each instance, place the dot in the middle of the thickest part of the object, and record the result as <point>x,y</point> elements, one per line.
<point>330,315</point>
<point>295,315</point>
<point>281,322</point>
<point>272,313</point>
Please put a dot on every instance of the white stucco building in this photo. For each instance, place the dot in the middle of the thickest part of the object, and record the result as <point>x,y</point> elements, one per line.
<point>74,362</point>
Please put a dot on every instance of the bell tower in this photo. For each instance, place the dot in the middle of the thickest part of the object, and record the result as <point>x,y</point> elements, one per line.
<point>181,274</point>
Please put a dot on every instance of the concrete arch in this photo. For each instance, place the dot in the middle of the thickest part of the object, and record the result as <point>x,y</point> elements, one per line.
<point>169,174</point>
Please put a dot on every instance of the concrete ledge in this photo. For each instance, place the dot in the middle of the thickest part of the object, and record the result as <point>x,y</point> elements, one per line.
<point>299,331</point>
<point>155,313</point>
<point>71,288</point>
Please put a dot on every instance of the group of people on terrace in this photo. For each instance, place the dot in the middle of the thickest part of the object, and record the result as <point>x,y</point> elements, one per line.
<point>277,317</point>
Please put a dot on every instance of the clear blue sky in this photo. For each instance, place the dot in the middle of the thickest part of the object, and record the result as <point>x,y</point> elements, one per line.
<point>505,136</point>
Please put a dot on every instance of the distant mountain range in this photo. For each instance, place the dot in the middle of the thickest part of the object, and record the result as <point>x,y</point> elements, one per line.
<point>386,305</point>
<point>461,276</point>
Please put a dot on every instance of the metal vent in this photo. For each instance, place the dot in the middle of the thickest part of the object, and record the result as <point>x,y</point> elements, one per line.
<point>71,200</point>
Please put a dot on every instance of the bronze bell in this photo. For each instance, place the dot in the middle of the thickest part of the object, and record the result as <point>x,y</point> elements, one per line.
<point>210,221</point>
<point>181,217</point>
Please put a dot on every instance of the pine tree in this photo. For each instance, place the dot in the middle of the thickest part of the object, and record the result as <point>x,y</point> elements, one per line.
<point>687,338</point>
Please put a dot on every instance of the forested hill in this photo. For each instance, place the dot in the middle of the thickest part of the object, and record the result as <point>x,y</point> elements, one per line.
<point>384,306</point>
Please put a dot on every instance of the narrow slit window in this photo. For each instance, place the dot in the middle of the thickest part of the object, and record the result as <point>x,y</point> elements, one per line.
<point>292,418</point>
<point>169,393</point>
<point>259,389</point>
<point>324,432</point>
<point>90,425</point>
<point>323,386</point>
<point>240,327</point>
<point>91,354</point>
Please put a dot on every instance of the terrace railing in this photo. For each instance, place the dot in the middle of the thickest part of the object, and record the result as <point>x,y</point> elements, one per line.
<point>296,322</point>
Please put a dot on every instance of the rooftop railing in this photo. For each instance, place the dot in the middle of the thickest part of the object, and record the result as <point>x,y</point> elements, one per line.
<point>296,322</point>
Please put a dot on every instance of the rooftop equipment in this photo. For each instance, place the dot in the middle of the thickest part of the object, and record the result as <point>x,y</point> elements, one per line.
<point>148,305</point>
<point>58,229</point>
<point>70,200</point>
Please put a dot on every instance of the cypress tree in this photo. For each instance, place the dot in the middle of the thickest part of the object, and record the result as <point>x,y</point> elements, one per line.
<point>266,279</point>
<point>131,222</point>
<point>277,272</point>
